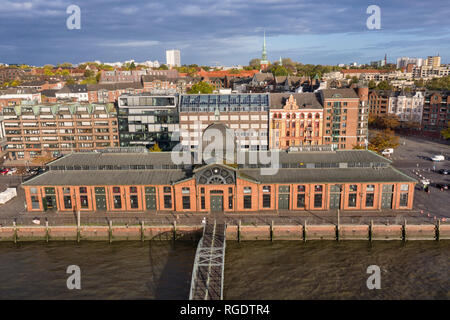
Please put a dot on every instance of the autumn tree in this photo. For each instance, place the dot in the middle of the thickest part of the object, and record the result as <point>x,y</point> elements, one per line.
<point>383,140</point>
<point>446,132</point>
<point>201,87</point>
<point>155,148</point>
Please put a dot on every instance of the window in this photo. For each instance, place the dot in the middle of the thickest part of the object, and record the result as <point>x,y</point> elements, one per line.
<point>34,202</point>
<point>134,201</point>
<point>266,200</point>
<point>318,188</point>
<point>202,202</point>
<point>318,200</point>
<point>301,188</point>
<point>300,200</point>
<point>167,190</point>
<point>33,190</point>
<point>116,189</point>
<point>403,200</point>
<point>66,190</point>
<point>186,202</point>
<point>133,189</point>
<point>117,201</point>
<point>352,200</point>
<point>185,190</point>
<point>266,189</point>
<point>230,202</point>
<point>247,189</point>
<point>167,201</point>
<point>369,199</point>
<point>84,202</point>
<point>83,190</point>
<point>67,202</point>
<point>404,187</point>
<point>353,188</point>
<point>247,202</point>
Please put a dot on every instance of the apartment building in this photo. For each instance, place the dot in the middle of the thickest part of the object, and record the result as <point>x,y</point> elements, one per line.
<point>173,58</point>
<point>345,115</point>
<point>244,114</point>
<point>379,102</point>
<point>73,92</point>
<point>110,92</point>
<point>407,106</point>
<point>436,112</point>
<point>295,120</point>
<point>56,129</point>
<point>148,119</point>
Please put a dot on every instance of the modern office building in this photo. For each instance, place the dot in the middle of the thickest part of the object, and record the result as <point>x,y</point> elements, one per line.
<point>148,119</point>
<point>245,114</point>
<point>173,58</point>
<point>151,182</point>
<point>55,129</point>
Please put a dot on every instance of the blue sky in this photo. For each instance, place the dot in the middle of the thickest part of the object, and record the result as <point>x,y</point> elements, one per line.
<point>222,31</point>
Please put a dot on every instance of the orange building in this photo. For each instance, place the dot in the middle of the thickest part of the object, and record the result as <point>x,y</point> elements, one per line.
<point>294,120</point>
<point>151,182</point>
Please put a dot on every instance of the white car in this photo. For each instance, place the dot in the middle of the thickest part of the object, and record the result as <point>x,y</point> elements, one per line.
<point>438,157</point>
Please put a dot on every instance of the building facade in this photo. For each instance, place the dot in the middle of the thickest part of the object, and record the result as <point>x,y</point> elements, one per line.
<point>173,58</point>
<point>245,114</point>
<point>53,130</point>
<point>295,120</point>
<point>148,119</point>
<point>150,182</point>
<point>407,106</point>
<point>436,112</point>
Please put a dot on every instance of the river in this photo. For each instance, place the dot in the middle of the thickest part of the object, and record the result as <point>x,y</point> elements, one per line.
<point>253,270</point>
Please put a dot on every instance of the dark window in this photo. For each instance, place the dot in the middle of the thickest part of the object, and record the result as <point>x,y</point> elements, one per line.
<point>403,199</point>
<point>230,202</point>
<point>133,189</point>
<point>167,189</point>
<point>247,202</point>
<point>67,202</point>
<point>266,189</point>
<point>352,200</point>
<point>66,190</point>
<point>186,202</point>
<point>317,200</point>
<point>318,188</point>
<point>353,188</point>
<point>202,201</point>
<point>369,199</point>
<point>116,189</point>
<point>83,190</point>
<point>266,200</point>
<point>167,201</point>
<point>134,201</point>
<point>117,202</point>
<point>84,202</point>
<point>301,188</point>
<point>34,202</point>
<point>301,200</point>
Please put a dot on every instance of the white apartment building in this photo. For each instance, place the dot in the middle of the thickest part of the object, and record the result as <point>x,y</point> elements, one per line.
<point>407,106</point>
<point>173,58</point>
<point>404,61</point>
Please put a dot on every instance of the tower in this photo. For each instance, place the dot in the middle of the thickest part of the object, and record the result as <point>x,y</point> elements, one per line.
<point>264,62</point>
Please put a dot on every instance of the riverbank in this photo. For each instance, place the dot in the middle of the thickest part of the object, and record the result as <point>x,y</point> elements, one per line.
<point>237,232</point>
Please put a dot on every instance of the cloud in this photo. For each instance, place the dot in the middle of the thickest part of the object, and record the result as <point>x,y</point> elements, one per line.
<point>127,43</point>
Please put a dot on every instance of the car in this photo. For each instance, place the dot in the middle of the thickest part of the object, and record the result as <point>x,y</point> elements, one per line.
<point>438,157</point>
<point>11,171</point>
<point>444,171</point>
<point>4,171</point>
<point>442,186</point>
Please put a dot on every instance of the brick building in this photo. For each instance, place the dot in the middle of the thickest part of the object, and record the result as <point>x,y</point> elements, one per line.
<point>379,102</point>
<point>295,120</point>
<point>52,130</point>
<point>436,112</point>
<point>150,182</point>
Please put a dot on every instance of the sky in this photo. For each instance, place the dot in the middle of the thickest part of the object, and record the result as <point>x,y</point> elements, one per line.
<point>222,32</point>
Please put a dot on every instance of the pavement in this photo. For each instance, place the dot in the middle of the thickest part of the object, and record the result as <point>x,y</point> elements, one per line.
<point>410,157</point>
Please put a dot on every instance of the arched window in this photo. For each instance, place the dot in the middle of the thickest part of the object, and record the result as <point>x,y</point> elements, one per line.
<point>309,115</point>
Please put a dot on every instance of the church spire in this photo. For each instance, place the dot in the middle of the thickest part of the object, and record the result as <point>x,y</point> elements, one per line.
<point>264,62</point>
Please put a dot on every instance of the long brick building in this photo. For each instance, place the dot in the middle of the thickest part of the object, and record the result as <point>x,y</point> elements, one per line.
<point>152,182</point>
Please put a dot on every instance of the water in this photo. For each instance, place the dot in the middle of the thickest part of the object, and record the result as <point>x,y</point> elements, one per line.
<point>253,270</point>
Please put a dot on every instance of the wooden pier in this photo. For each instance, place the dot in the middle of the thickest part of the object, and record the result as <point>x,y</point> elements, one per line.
<point>208,271</point>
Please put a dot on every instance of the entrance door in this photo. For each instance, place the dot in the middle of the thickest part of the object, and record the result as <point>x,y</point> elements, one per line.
<point>100,202</point>
<point>283,201</point>
<point>335,200</point>
<point>216,203</point>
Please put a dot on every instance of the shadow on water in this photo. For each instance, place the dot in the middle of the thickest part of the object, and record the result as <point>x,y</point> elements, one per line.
<point>171,267</point>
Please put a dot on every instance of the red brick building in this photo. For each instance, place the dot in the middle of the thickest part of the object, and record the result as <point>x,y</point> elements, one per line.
<point>127,182</point>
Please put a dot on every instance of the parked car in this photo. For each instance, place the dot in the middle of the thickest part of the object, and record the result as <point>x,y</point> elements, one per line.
<point>387,152</point>
<point>442,186</point>
<point>4,171</point>
<point>11,171</point>
<point>444,171</point>
<point>438,157</point>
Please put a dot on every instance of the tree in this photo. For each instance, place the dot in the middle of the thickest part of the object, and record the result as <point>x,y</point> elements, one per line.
<point>383,140</point>
<point>89,73</point>
<point>163,67</point>
<point>372,84</point>
<point>201,87</point>
<point>255,63</point>
<point>384,85</point>
<point>355,79</point>
<point>234,71</point>
<point>278,70</point>
<point>155,148</point>
<point>446,132</point>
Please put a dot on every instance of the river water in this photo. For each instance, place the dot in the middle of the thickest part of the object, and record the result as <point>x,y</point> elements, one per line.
<point>253,270</point>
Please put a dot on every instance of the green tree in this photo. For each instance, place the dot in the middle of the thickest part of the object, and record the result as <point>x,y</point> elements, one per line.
<point>278,70</point>
<point>201,87</point>
<point>384,85</point>
<point>163,67</point>
<point>372,84</point>
<point>446,132</point>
